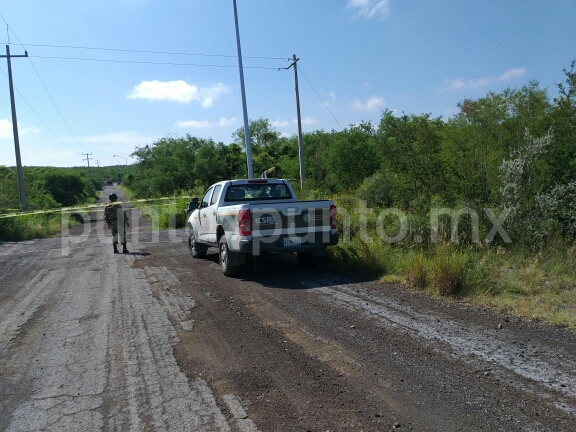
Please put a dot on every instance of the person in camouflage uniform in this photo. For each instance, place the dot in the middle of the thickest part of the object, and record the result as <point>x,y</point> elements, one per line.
<point>117,220</point>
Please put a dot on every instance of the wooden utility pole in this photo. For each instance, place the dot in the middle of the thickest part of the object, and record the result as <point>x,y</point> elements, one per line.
<point>299,119</point>
<point>21,189</point>
<point>88,160</point>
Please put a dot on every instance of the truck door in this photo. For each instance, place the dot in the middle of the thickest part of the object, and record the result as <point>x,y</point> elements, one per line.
<point>203,215</point>
<point>211,211</point>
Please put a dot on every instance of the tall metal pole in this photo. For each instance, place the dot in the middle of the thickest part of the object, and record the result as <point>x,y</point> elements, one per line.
<point>246,123</point>
<point>300,146</point>
<point>21,190</point>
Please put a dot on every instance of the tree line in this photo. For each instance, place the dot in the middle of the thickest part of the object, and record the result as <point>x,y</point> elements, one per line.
<point>408,161</point>
<point>49,187</point>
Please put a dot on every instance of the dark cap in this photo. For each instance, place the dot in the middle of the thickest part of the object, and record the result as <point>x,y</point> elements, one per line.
<point>113,197</point>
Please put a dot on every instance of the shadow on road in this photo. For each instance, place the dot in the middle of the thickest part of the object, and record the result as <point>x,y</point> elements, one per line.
<point>286,272</point>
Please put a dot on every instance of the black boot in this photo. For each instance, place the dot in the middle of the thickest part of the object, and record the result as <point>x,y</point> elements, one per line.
<point>115,248</point>
<point>124,250</point>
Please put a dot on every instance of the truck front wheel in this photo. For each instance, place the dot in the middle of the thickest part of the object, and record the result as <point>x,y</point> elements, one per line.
<point>196,250</point>
<point>225,258</point>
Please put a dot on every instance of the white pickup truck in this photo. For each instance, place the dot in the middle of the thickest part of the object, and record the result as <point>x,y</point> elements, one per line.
<point>244,218</point>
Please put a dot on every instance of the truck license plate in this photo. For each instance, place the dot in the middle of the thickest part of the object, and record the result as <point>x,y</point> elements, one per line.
<point>292,241</point>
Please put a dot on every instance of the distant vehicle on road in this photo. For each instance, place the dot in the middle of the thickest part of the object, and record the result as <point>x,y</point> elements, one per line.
<point>244,218</point>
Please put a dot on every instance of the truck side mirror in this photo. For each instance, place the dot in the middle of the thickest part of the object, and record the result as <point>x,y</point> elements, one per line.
<point>193,205</point>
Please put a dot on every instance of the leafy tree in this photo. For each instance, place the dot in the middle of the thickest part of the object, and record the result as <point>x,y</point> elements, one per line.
<point>351,157</point>
<point>67,188</point>
<point>261,133</point>
<point>411,148</point>
<point>562,157</point>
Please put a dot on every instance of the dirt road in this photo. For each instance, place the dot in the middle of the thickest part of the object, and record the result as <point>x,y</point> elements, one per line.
<point>155,340</point>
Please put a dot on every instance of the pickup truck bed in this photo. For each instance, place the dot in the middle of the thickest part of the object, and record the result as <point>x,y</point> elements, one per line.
<point>248,217</point>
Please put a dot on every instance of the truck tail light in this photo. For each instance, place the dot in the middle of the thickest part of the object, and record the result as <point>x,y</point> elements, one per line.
<point>333,213</point>
<point>245,222</point>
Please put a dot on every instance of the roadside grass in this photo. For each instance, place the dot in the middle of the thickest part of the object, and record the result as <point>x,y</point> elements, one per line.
<point>33,226</point>
<point>163,213</point>
<point>536,285</point>
<point>533,283</point>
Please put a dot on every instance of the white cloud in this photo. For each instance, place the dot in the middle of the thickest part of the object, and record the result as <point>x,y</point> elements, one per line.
<point>116,139</point>
<point>454,84</point>
<point>280,123</point>
<point>513,73</point>
<point>366,84</point>
<point>284,123</point>
<point>332,95</point>
<point>307,121</point>
<point>203,124</point>
<point>105,146</point>
<point>28,130</point>
<point>177,91</point>
<point>370,8</point>
<point>193,124</point>
<point>480,82</point>
<point>372,104</point>
<point>460,83</point>
<point>42,151</point>
<point>223,121</point>
<point>5,128</point>
<point>48,155</point>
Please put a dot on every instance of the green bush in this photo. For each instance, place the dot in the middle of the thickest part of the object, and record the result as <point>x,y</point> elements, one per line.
<point>447,270</point>
<point>416,271</point>
<point>28,227</point>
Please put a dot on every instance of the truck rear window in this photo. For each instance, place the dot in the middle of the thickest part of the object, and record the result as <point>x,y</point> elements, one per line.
<point>257,192</point>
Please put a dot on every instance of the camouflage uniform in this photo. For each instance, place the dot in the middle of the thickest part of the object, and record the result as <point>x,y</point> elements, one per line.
<point>116,217</point>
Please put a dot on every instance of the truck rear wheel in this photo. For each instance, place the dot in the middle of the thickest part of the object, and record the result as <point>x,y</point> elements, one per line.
<point>225,258</point>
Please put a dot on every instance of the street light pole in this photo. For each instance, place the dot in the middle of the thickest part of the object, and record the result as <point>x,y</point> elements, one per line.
<point>244,108</point>
<point>125,159</point>
<point>125,163</point>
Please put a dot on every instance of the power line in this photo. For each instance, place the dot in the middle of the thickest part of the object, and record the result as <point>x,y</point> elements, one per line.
<point>36,114</point>
<point>322,100</point>
<point>156,52</point>
<point>150,62</point>
<point>44,85</point>
<point>55,106</point>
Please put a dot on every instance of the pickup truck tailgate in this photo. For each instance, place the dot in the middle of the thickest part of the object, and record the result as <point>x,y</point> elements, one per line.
<point>293,218</point>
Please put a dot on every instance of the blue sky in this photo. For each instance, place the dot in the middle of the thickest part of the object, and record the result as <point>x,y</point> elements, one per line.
<point>361,56</point>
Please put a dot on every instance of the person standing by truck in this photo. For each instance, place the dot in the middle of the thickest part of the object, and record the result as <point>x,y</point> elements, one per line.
<point>117,220</point>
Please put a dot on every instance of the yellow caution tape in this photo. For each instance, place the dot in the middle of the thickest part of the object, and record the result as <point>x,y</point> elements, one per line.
<point>90,207</point>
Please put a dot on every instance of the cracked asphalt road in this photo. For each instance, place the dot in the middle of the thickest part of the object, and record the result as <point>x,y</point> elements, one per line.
<point>155,340</point>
